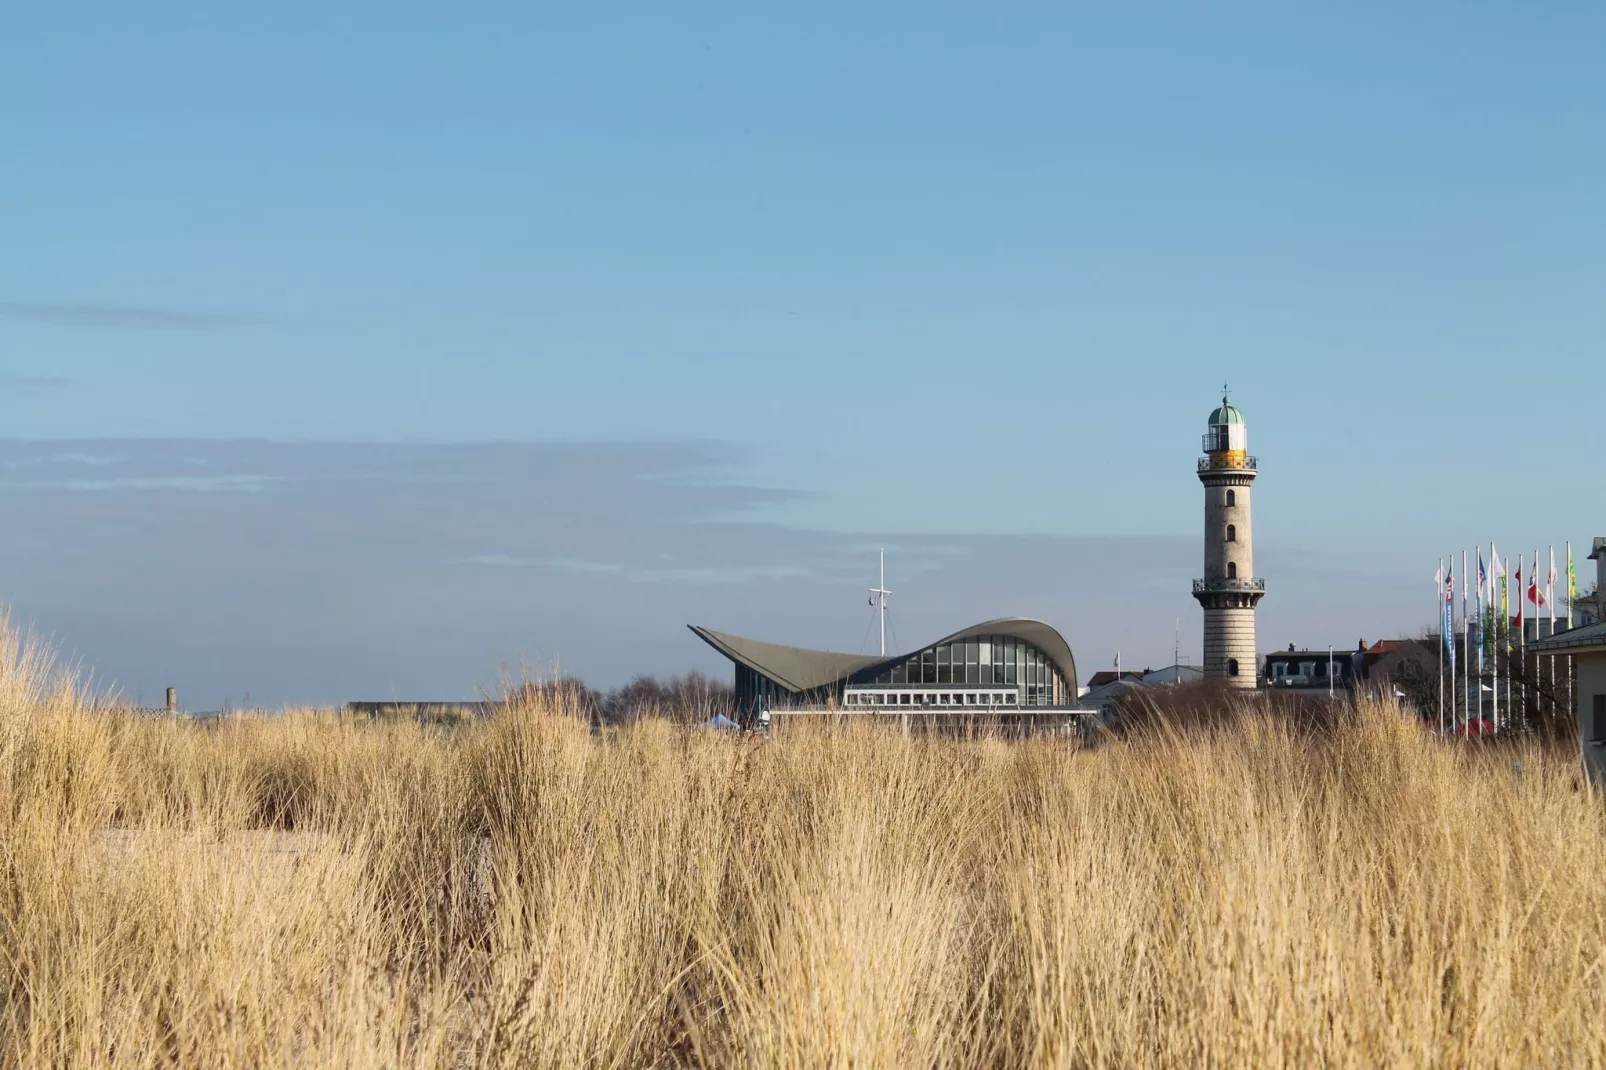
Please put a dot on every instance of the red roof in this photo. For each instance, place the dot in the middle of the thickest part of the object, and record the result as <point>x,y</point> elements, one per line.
<point>1387,646</point>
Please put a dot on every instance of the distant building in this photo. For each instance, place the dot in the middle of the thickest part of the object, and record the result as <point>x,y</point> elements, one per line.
<point>1590,607</point>
<point>1311,670</point>
<point>1105,688</point>
<point>1388,663</point>
<point>1587,647</point>
<point>1012,663</point>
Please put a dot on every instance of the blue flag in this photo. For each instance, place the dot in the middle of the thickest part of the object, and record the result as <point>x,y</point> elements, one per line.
<point>1449,616</point>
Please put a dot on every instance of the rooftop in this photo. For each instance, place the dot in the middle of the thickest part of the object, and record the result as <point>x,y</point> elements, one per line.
<point>1226,414</point>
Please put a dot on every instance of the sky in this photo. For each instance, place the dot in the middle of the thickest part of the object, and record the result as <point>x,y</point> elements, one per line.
<point>359,350</point>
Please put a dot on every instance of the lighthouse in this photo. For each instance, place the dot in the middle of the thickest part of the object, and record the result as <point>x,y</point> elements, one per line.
<point>1229,591</point>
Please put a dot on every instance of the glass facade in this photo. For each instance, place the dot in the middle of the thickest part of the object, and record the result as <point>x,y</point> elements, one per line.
<point>986,660</point>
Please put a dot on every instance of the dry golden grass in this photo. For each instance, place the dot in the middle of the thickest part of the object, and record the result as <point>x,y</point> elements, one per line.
<point>305,890</point>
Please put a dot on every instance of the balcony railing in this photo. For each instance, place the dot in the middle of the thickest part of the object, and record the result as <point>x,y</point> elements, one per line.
<point>1246,464</point>
<point>1245,586</point>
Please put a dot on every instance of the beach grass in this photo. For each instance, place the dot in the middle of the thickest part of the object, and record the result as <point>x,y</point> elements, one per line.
<point>308,889</point>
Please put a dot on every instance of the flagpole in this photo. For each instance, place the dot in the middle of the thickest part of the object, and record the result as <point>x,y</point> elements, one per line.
<point>1488,620</point>
<point>1522,641</point>
<point>1550,593</point>
<point>1572,596</point>
<point>1539,698</point>
<point>1438,611</point>
<point>1466,645</point>
<point>1483,583</point>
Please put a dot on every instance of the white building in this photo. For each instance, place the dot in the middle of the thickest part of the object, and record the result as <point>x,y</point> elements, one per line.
<point>1106,688</point>
<point>1587,647</point>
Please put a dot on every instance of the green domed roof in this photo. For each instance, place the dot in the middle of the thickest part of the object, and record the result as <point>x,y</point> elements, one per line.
<point>1227,414</point>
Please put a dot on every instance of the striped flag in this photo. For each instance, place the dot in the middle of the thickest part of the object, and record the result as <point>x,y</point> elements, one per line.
<point>1449,614</point>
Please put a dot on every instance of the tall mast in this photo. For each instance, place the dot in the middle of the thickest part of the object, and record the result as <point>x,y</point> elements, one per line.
<point>881,593</point>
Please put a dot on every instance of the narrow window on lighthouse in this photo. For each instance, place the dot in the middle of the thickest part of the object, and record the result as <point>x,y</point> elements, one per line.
<point>1232,497</point>
<point>1232,570</point>
<point>1232,666</point>
<point>1232,533</point>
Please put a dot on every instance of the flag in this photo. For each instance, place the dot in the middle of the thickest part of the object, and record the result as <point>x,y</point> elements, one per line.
<point>1535,595</point>
<point>1505,593</point>
<point>1449,614</point>
<point>1521,601</point>
<point>1572,585</point>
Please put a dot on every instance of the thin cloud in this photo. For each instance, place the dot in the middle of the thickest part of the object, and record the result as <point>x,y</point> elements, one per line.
<point>125,317</point>
<point>32,384</point>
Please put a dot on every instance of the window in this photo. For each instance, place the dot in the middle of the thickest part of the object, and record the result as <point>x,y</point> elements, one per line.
<point>1232,666</point>
<point>1598,729</point>
<point>1232,533</point>
<point>1232,497</point>
<point>1232,570</point>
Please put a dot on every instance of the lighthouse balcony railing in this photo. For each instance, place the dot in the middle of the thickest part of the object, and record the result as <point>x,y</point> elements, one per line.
<point>1217,464</point>
<point>1246,586</point>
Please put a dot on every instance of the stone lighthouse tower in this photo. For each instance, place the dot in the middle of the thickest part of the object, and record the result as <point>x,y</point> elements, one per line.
<point>1229,591</point>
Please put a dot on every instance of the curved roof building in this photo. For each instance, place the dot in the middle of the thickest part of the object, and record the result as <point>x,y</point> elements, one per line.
<point>1023,661</point>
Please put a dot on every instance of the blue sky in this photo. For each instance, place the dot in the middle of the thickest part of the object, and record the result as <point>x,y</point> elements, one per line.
<point>961,281</point>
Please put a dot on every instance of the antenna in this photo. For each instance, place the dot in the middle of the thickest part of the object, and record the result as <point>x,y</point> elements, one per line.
<point>879,600</point>
<point>1176,645</point>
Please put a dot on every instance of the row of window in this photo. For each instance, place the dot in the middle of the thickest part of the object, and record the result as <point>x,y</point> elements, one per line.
<point>1309,669</point>
<point>858,699</point>
<point>986,660</point>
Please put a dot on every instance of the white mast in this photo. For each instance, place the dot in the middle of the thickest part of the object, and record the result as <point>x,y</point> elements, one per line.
<point>880,593</point>
<point>1495,646</point>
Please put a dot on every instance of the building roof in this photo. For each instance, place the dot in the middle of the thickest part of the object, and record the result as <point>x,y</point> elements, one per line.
<point>800,669</point>
<point>1226,414</point>
<point>1321,655</point>
<point>1590,637</point>
<point>794,667</point>
<point>1109,676</point>
<point>1388,646</point>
